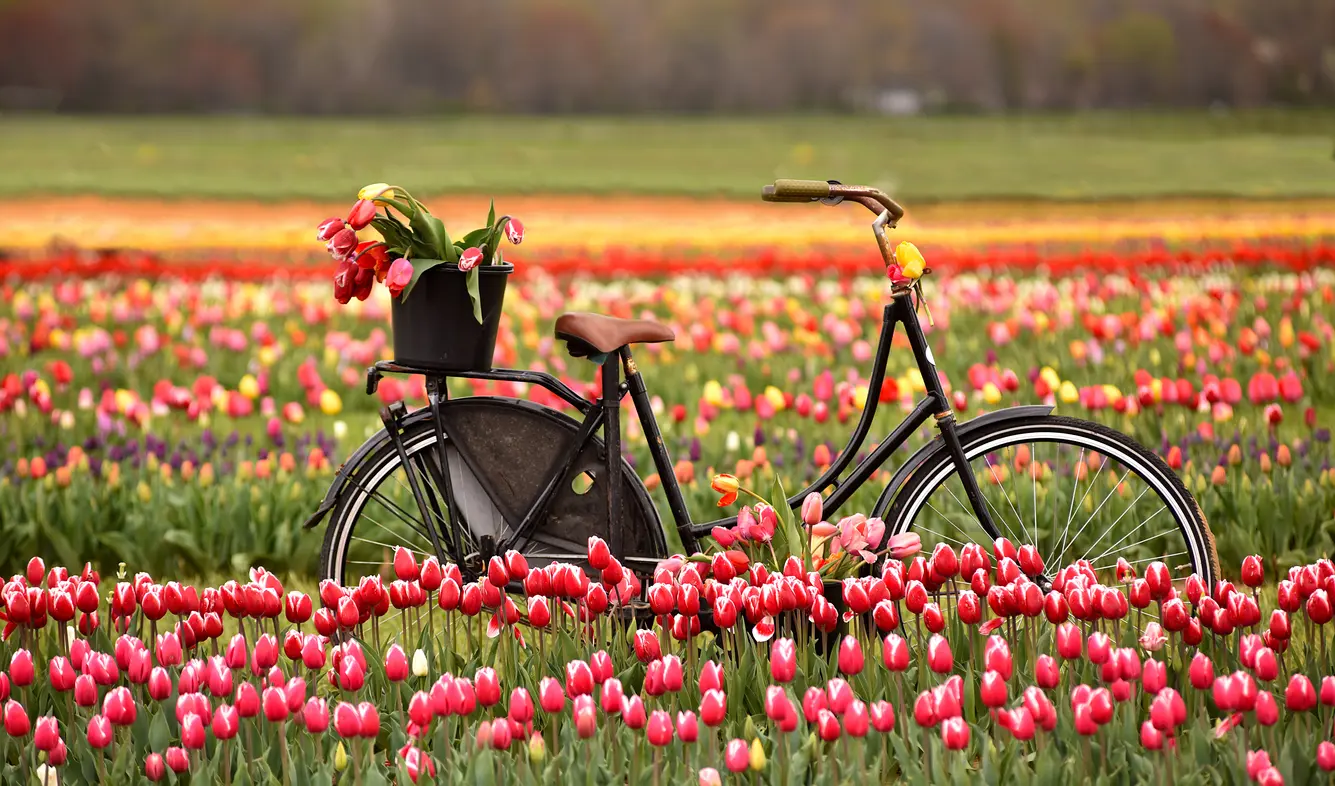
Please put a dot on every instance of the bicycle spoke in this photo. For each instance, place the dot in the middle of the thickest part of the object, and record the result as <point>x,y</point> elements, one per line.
<point>1133,545</point>
<point>406,542</point>
<point>1074,504</point>
<point>1151,517</point>
<point>993,470</point>
<point>974,517</point>
<point>1163,558</point>
<point>406,545</point>
<point>1129,508</point>
<point>938,534</point>
<point>408,488</point>
<point>1033,477</point>
<point>1107,497</point>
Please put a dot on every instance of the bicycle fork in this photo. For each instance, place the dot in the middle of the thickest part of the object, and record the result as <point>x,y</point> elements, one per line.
<point>945,416</point>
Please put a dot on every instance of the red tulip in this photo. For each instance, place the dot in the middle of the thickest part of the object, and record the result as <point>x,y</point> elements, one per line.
<point>882,715</point>
<point>405,565</point>
<point>586,718</point>
<point>178,760</point>
<point>850,656</point>
<point>347,723</point>
<point>895,653</point>
<point>369,718</point>
<point>1325,755</point>
<point>1150,736</point>
<point>955,734</point>
<point>660,729</point>
<point>1084,720</point>
<point>550,696</point>
<point>226,722</point>
<point>738,755</point>
<point>924,710</point>
<point>783,660</point>
<point>632,713</point>
<point>1318,609</point>
<point>1267,664</point>
<point>21,671</point>
<point>579,678</point>
<point>939,657</point>
<point>992,690</point>
<point>1267,710</point>
<point>487,687</point>
<point>673,675</point>
<point>99,732</point>
<point>297,606</point>
<point>610,696</point>
<point>154,767</point>
<point>315,715</point>
<point>713,708</point>
<point>461,699</point>
<point>119,707</point>
<point>647,648</point>
<point>16,719</point>
<point>813,701</point>
<point>274,703</point>
<point>1299,696</point>
<point>47,734</point>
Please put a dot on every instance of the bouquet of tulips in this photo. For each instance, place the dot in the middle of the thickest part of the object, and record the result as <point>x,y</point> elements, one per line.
<point>954,666</point>
<point>411,242</point>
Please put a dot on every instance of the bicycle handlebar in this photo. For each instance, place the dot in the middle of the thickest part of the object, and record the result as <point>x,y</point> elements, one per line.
<point>887,210</point>
<point>785,190</point>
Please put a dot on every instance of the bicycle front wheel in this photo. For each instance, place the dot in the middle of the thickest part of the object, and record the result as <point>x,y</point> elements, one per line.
<point>1073,489</point>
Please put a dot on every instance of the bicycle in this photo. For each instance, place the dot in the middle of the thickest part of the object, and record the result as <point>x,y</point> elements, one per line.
<point>487,474</point>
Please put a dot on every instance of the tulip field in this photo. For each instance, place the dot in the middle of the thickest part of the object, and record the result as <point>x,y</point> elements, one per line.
<point>170,418</point>
<point>184,417</point>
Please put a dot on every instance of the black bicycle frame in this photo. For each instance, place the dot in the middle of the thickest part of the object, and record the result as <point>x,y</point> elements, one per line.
<point>604,414</point>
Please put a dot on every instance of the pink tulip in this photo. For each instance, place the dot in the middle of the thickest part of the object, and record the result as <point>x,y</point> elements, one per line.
<point>738,755</point>
<point>99,732</point>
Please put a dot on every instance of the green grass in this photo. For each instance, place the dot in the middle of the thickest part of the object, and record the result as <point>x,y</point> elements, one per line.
<point>1068,156</point>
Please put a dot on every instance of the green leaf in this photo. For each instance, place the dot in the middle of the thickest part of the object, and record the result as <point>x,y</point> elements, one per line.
<point>473,294</point>
<point>491,214</point>
<point>159,734</point>
<point>477,237</point>
<point>420,266</point>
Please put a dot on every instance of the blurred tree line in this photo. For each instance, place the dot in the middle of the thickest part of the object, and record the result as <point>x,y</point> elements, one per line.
<point>357,56</point>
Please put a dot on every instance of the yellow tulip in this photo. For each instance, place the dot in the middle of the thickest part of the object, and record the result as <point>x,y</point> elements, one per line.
<point>249,387</point>
<point>991,393</point>
<point>713,393</point>
<point>330,403</point>
<point>911,262</point>
<point>375,190</point>
<point>1068,393</point>
<point>757,755</point>
<point>340,758</point>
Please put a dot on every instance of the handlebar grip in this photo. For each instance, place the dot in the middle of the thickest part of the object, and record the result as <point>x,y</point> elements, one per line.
<point>801,189</point>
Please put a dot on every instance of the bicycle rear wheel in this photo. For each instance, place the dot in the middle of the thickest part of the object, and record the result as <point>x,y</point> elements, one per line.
<point>502,452</point>
<point>1071,488</point>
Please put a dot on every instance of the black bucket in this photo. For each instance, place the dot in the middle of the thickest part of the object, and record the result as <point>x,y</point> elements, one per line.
<point>436,328</point>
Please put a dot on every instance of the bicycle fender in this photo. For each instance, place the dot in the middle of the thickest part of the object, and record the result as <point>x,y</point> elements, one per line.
<point>927,451</point>
<point>351,464</point>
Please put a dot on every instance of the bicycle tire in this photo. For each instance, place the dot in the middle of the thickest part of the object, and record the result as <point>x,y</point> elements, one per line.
<point>903,507</point>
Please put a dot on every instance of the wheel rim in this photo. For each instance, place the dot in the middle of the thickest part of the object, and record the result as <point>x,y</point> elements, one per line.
<point>1118,505</point>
